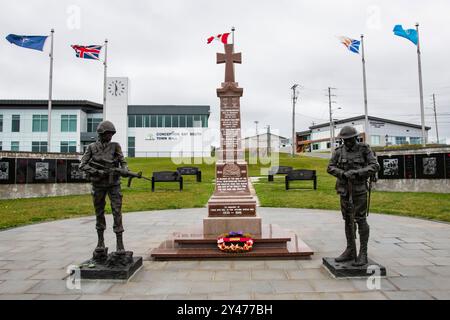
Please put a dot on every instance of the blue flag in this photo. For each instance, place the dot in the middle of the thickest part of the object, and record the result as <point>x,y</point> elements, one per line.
<point>30,42</point>
<point>351,44</point>
<point>410,34</point>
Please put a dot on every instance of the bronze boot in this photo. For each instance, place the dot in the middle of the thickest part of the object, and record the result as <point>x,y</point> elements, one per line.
<point>349,254</point>
<point>120,247</point>
<point>364,239</point>
<point>101,240</point>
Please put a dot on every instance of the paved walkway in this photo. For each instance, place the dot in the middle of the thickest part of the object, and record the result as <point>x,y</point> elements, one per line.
<point>33,260</point>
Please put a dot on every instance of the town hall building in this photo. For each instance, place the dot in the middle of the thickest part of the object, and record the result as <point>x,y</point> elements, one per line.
<point>142,130</point>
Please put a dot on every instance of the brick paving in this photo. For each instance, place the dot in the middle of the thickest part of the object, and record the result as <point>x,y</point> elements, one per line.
<point>416,253</point>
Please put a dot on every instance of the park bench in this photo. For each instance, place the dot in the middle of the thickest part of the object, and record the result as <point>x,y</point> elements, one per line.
<point>278,170</point>
<point>190,171</point>
<point>301,175</point>
<point>167,176</point>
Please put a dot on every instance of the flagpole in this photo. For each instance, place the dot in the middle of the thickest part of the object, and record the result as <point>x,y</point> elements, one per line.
<point>367,134</point>
<point>422,112</point>
<point>50,87</point>
<point>104,79</point>
<point>232,35</point>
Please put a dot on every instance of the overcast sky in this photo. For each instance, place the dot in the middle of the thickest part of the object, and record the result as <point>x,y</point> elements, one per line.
<point>161,46</point>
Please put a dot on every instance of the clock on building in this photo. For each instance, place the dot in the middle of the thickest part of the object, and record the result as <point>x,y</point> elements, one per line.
<point>116,88</point>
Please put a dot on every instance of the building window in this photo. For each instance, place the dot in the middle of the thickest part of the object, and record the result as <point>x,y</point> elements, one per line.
<point>415,140</point>
<point>131,147</point>
<point>175,121</point>
<point>189,121</point>
<point>197,121</point>
<point>15,124</point>
<point>40,123</point>
<point>131,121</point>
<point>68,146</point>
<point>400,140</point>
<point>153,120</point>
<point>204,121</point>
<point>167,121</point>
<point>315,146</point>
<point>14,145</point>
<point>375,140</point>
<point>1,123</point>
<point>92,124</point>
<point>160,121</point>
<point>328,145</point>
<point>68,123</point>
<point>39,146</point>
<point>146,121</point>
<point>182,121</point>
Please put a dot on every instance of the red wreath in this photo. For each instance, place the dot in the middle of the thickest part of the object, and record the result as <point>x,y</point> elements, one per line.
<point>235,242</point>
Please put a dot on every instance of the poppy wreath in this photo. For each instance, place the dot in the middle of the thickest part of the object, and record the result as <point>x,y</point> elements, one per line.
<point>235,242</point>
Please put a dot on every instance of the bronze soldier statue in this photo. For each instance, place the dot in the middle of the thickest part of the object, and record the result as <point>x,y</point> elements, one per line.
<point>101,161</point>
<point>353,163</point>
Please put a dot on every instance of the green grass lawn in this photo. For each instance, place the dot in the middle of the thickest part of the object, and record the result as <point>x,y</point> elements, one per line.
<point>140,198</point>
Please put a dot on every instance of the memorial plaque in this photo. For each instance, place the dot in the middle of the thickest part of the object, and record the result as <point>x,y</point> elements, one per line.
<point>74,174</point>
<point>7,170</point>
<point>447,165</point>
<point>391,167</point>
<point>21,170</point>
<point>410,166</point>
<point>231,177</point>
<point>430,166</point>
<point>41,171</point>
<point>187,170</point>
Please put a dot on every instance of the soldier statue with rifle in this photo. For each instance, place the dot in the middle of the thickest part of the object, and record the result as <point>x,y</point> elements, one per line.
<point>104,164</point>
<point>354,165</point>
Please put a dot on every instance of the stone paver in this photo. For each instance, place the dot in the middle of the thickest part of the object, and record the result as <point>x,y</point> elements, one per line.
<point>33,260</point>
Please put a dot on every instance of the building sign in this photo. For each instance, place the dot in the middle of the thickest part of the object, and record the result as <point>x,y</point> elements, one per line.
<point>170,136</point>
<point>377,124</point>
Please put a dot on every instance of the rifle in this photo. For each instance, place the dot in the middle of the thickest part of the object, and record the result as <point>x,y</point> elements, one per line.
<point>372,178</point>
<point>352,214</point>
<point>111,170</point>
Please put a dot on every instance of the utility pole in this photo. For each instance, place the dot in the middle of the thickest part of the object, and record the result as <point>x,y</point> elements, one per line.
<point>268,140</point>
<point>435,118</point>
<point>257,137</point>
<point>332,140</point>
<point>294,101</point>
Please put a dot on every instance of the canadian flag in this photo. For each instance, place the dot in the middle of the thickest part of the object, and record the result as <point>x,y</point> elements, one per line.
<point>220,37</point>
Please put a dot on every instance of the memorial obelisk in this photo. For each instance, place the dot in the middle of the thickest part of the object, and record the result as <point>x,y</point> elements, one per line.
<point>232,206</point>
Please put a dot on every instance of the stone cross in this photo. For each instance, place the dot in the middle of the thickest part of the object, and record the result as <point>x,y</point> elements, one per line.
<point>229,58</point>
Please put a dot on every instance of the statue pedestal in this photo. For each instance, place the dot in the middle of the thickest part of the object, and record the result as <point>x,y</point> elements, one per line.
<point>346,270</point>
<point>117,266</point>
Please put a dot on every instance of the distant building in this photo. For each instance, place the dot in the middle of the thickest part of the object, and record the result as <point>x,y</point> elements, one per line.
<point>263,141</point>
<point>382,132</point>
<point>142,130</point>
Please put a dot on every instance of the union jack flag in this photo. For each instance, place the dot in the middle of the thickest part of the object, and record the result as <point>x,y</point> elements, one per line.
<point>87,52</point>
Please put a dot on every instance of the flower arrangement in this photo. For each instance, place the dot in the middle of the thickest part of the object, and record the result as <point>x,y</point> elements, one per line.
<point>235,242</point>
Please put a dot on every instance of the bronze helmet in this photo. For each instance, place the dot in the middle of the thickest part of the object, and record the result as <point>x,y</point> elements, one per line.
<point>106,126</point>
<point>347,132</point>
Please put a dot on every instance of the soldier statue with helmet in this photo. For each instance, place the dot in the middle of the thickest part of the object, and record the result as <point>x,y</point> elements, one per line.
<point>353,164</point>
<point>99,160</point>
